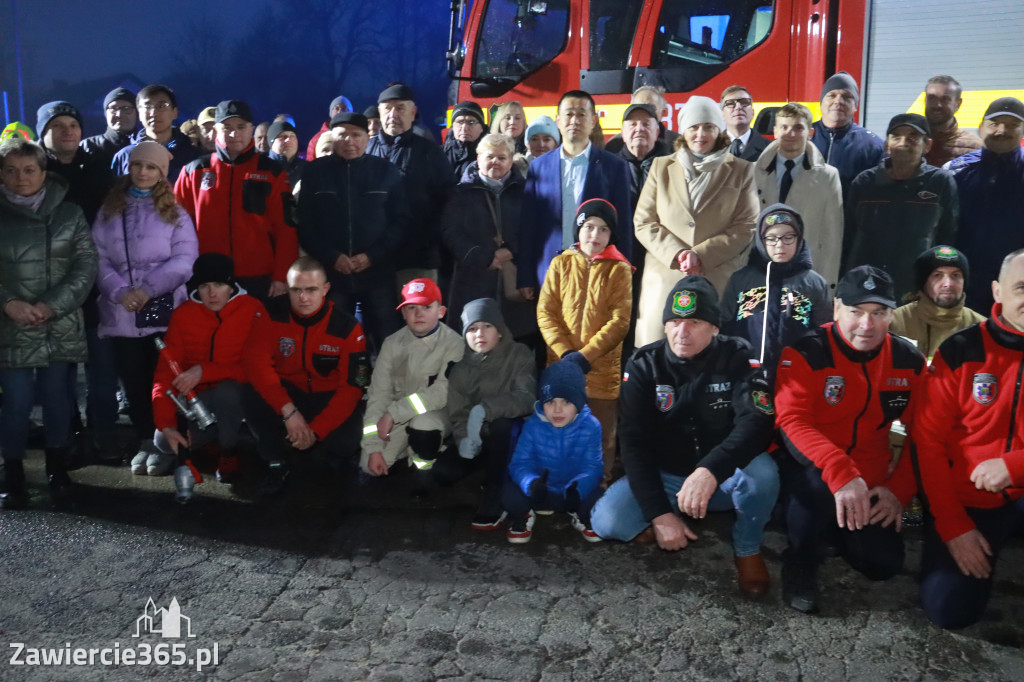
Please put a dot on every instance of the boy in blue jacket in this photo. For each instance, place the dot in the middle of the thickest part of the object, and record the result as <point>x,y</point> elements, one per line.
<point>558,462</point>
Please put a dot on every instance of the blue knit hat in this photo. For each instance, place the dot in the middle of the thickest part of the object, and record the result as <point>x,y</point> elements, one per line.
<point>563,379</point>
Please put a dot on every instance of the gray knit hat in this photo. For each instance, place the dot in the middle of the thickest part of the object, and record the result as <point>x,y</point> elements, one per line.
<point>840,81</point>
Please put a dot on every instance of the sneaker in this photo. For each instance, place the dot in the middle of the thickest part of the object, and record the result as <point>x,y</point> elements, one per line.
<point>184,484</point>
<point>800,586</point>
<point>543,512</point>
<point>584,528</point>
<point>521,530</point>
<point>276,476</point>
<point>488,521</point>
<point>139,462</point>
<point>159,464</point>
<point>228,467</point>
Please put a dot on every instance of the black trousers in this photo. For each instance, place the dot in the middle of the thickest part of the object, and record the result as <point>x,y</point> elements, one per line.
<point>270,431</point>
<point>136,361</point>
<point>493,459</point>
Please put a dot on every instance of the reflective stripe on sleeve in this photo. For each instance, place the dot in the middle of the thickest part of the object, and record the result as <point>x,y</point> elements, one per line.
<point>369,429</point>
<point>417,404</point>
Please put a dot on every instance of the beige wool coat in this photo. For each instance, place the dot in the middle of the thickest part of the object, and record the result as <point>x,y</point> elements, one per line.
<point>720,232</point>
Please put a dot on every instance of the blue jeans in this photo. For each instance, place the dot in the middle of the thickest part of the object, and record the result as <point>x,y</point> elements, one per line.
<point>19,387</point>
<point>751,491</point>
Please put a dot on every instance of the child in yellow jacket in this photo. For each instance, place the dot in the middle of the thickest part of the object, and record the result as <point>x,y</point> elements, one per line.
<point>584,310</point>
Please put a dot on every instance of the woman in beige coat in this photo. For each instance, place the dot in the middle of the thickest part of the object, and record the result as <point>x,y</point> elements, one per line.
<point>695,215</point>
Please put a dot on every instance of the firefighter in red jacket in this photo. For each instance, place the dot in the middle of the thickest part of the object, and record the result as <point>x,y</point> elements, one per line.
<point>207,338</point>
<point>242,205</point>
<point>307,366</point>
<point>970,448</point>
<point>838,391</point>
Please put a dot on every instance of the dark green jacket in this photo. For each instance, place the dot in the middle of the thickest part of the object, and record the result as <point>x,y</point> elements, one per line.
<point>45,256</point>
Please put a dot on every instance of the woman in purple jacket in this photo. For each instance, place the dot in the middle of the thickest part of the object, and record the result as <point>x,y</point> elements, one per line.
<point>146,244</point>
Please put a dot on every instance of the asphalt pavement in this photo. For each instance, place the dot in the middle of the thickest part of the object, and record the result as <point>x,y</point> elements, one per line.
<point>344,578</point>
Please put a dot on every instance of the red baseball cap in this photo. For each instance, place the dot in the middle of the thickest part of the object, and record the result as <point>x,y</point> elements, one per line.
<point>420,292</point>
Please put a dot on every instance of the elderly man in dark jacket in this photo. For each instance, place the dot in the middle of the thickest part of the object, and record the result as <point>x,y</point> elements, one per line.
<point>352,218</point>
<point>466,131</point>
<point>427,177</point>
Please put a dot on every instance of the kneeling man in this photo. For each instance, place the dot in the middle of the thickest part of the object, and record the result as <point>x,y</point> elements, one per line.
<point>694,423</point>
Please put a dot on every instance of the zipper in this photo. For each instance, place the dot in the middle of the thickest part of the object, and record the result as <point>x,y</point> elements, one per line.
<point>348,200</point>
<point>231,206</point>
<point>213,337</point>
<point>831,139</point>
<point>867,403</point>
<point>1016,401</point>
<point>309,377</point>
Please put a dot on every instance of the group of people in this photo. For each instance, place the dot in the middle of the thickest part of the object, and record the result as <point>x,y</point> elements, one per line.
<point>633,333</point>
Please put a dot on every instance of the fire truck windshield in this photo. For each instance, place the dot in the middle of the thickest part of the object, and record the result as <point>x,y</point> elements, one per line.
<point>518,37</point>
<point>709,31</point>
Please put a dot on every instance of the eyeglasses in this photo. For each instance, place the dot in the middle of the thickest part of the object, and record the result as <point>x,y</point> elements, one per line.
<point>158,106</point>
<point>471,122</point>
<point>742,101</point>
<point>787,239</point>
<point>122,109</point>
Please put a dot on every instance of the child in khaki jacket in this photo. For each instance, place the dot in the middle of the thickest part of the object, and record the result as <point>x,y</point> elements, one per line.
<point>584,310</point>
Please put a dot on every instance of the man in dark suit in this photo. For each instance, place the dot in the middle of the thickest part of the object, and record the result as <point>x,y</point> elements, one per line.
<point>558,182</point>
<point>738,110</point>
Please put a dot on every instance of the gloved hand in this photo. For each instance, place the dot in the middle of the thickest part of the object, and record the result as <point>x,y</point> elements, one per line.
<point>579,358</point>
<point>572,496</point>
<point>539,487</point>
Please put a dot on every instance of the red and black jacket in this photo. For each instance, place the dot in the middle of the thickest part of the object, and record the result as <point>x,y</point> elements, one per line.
<point>972,414</point>
<point>243,208</point>
<point>216,341</point>
<point>324,352</point>
<point>834,406</point>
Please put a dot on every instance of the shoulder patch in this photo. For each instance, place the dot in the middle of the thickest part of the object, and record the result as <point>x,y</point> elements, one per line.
<point>763,402</point>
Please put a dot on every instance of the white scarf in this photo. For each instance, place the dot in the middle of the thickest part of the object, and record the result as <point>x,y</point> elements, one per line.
<point>32,202</point>
<point>698,172</point>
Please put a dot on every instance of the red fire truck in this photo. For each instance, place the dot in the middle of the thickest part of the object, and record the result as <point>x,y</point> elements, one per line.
<point>782,50</point>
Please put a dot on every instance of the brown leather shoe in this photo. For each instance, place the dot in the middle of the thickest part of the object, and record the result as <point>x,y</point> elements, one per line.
<point>752,575</point>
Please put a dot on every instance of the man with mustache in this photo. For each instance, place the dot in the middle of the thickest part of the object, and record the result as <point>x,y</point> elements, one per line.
<point>990,182</point>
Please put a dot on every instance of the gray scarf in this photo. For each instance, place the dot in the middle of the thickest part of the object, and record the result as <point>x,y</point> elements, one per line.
<point>698,172</point>
<point>32,202</point>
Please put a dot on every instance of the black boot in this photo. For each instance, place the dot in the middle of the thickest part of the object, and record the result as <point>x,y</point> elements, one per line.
<point>57,472</point>
<point>15,496</point>
<point>800,586</point>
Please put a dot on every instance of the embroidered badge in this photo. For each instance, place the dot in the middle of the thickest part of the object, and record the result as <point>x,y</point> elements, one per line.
<point>580,219</point>
<point>415,287</point>
<point>946,253</point>
<point>986,388</point>
<point>666,396</point>
<point>835,389</point>
<point>926,195</point>
<point>762,402</point>
<point>286,347</point>
<point>869,283</point>
<point>684,303</point>
<point>208,180</point>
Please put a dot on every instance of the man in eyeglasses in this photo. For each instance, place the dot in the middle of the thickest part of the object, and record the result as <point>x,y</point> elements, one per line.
<point>122,118</point>
<point>738,110</point>
<point>902,203</point>
<point>158,107</point>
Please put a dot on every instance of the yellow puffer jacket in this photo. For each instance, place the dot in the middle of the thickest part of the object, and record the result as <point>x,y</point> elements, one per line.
<point>585,305</point>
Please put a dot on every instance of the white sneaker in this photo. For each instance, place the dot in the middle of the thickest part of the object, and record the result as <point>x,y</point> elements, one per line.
<point>159,464</point>
<point>139,463</point>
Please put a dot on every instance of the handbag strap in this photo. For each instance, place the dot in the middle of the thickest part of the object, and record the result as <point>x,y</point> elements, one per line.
<point>494,216</point>
<point>127,257</point>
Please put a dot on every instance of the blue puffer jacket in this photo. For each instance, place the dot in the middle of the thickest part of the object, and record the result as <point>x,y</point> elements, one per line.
<point>991,190</point>
<point>851,150</point>
<point>571,453</point>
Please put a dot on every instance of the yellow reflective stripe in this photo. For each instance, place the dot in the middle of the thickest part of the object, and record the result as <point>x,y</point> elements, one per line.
<point>417,404</point>
<point>422,464</point>
<point>369,429</point>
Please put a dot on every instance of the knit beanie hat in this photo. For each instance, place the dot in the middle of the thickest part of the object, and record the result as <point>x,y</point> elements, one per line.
<point>779,214</point>
<point>52,110</point>
<point>563,380</point>
<point>278,127</point>
<point>693,297</point>
<point>937,257</point>
<point>213,267</point>
<point>372,112</point>
<point>343,101</point>
<point>482,310</point>
<point>701,110</point>
<point>468,108</point>
<point>597,208</point>
<point>119,94</point>
<point>152,152</point>
<point>16,129</point>
<point>543,125</point>
<point>352,119</point>
<point>840,81</point>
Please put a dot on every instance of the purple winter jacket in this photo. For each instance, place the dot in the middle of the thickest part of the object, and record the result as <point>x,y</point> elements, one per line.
<point>161,256</point>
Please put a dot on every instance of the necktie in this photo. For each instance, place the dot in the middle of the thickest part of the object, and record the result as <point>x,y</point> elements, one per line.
<point>736,148</point>
<point>787,181</point>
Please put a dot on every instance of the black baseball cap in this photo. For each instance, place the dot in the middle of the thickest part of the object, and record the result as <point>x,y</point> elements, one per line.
<point>640,107</point>
<point>351,118</point>
<point>1005,106</point>
<point>232,108</point>
<point>866,284</point>
<point>915,121</point>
